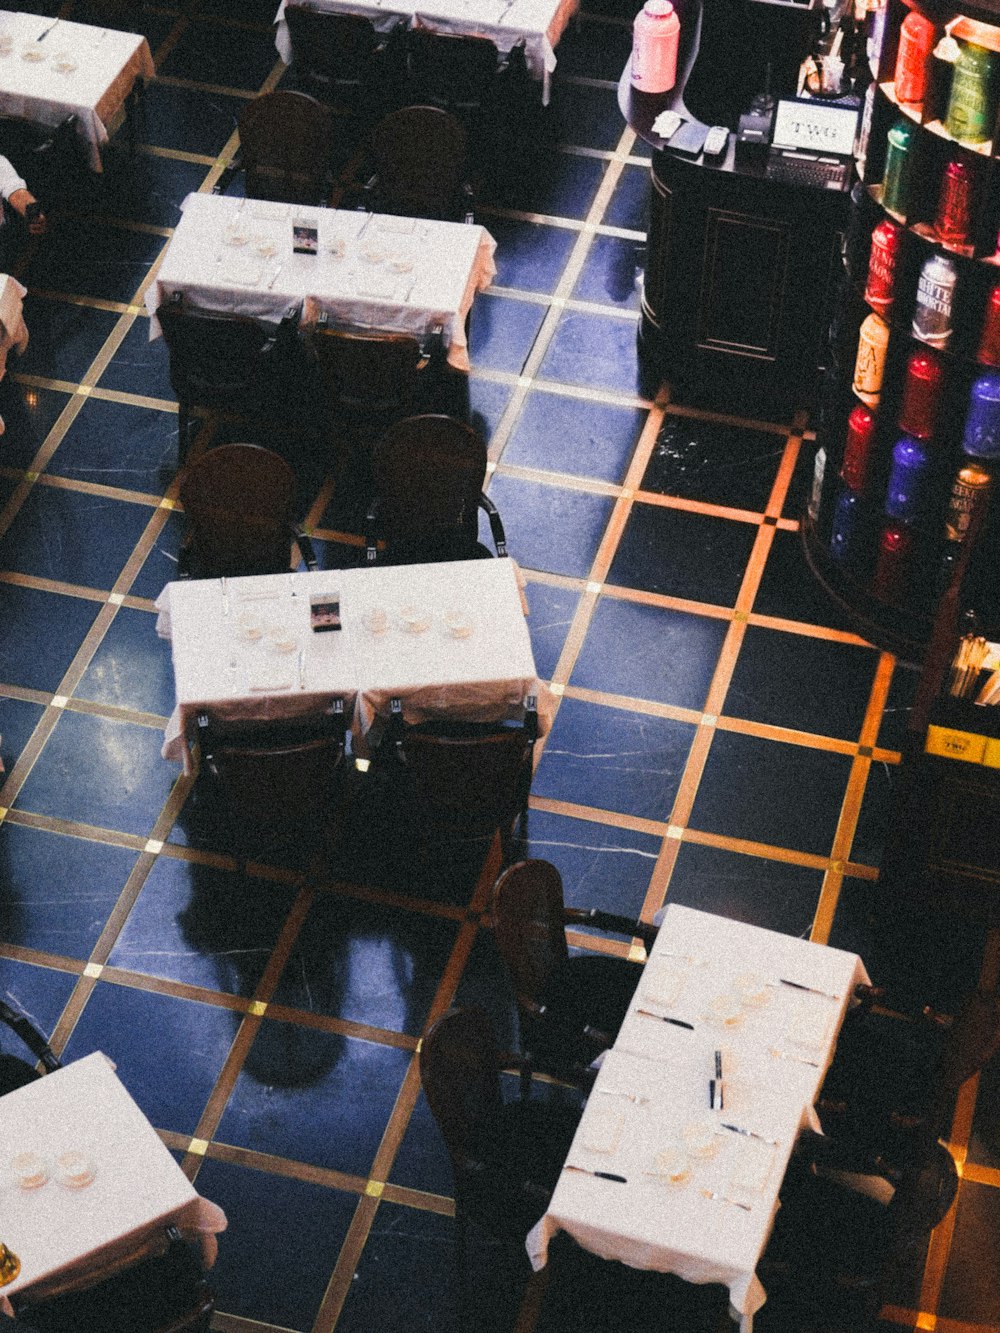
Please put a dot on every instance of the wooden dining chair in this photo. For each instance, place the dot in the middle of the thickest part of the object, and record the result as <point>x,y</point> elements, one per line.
<point>287,146</point>
<point>279,781</point>
<point>457,782</point>
<point>342,61</point>
<point>230,363</point>
<point>505,1157</point>
<point>570,1008</point>
<point>420,161</point>
<point>238,503</point>
<point>428,475</point>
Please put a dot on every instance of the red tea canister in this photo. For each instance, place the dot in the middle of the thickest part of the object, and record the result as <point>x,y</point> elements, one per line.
<point>954,213</point>
<point>921,395</point>
<point>858,448</point>
<point>916,42</point>
<point>882,263</point>
<point>989,340</point>
<point>894,564</point>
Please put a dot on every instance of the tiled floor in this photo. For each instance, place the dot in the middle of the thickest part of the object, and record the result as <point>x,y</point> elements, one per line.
<point>719,739</point>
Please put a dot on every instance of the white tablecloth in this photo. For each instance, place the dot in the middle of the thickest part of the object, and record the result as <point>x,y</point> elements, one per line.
<point>539,23</point>
<point>774,1056</point>
<point>483,677</point>
<point>404,275</point>
<point>106,66</point>
<point>13,330</point>
<point>137,1190</point>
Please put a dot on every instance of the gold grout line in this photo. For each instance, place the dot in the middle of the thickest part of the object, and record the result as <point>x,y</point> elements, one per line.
<point>807,740</point>
<point>347,1262</point>
<point>594,815</point>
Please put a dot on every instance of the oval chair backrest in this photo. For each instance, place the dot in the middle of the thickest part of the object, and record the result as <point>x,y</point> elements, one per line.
<point>459,1074</point>
<point>528,922</point>
<point>420,155</point>
<point>429,473</point>
<point>286,143</point>
<point>238,501</point>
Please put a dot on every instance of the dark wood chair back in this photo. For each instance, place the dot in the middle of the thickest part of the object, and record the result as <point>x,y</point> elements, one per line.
<point>421,158</point>
<point>238,501</point>
<point>286,148</point>
<point>369,378</point>
<point>429,472</point>
<point>332,54</point>
<point>460,1077</point>
<point>529,925</point>
<point>451,70</point>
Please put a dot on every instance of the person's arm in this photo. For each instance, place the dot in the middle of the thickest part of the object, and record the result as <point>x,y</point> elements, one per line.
<point>17,194</point>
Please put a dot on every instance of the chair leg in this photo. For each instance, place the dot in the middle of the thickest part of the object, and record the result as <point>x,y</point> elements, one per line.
<point>183,433</point>
<point>524,1081</point>
<point>462,1304</point>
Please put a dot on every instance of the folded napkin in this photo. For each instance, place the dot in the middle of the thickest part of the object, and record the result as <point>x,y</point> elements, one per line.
<point>265,209</point>
<point>810,1028</point>
<point>240,271</point>
<point>663,981</point>
<point>752,1167</point>
<point>602,1128</point>
<point>268,679</point>
<point>383,286</point>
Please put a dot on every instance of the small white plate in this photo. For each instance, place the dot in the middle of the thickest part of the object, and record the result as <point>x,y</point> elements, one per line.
<point>33,55</point>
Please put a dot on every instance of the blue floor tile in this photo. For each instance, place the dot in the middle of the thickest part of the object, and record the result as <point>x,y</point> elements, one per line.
<point>39,992</point>
<point>152,192</point>
<point>586,117</point>
<point>896,715</point>
<point>172,1076</point>
<point>573,435</point>
<point>594,50</point>
<point>530,256</point>
<point>487,403</point>
<point>550,527</point>
<point>557,185</point>
<point>300,1227</point>
<point>160,566</point>
<point>629,204</point>
<point>29,414</point>
<point>502,332</point>
<point>600,865</point>
<point>65,338</point>
<point>613,760</point>
<point>40,908</point>
<point>878,806</point>
<point>551,612</point>
<point>612,273</point>
<point>771,792</point>
<point>681,554</point>
<point>100,772</point>
<point>42,632</point>
<point>407,1250</point>
<point>597,351</point>
<point>716,462</point>
<point>87,259</point>
<point>54,536</point>
<point>788,588</point>
<point>314,1097</point>
<point>202,926</point>
<point>772,894</point>
<point>776,676</point>
<point>195,121</point>
<point>115,444</point>
<point>140,366</point>
<point>649,653</point>
<point>18,719</point>
<point>207,53</point>
<point>132,667</point>
<point>348,963</point>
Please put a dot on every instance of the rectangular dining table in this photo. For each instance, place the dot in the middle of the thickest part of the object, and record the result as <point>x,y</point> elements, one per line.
<point>696,1189</point>
<point>122,1191</point>
<point>538,23</point>
<point>449,640</point>
<point>403,275</point>
<point>51,69</point>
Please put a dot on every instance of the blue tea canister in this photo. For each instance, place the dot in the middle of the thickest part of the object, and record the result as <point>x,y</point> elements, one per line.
<point>982,424</point>
<point>845,524</point>
<point>908,478</point>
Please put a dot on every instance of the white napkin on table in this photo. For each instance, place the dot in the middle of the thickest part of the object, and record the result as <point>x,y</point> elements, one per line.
<point>602,1128</point>
<point>240,271</point>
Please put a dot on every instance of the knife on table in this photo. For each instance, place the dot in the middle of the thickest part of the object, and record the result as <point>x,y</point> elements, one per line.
<point>677,1022</point>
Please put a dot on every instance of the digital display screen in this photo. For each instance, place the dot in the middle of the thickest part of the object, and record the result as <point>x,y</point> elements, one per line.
<point>816,126</point>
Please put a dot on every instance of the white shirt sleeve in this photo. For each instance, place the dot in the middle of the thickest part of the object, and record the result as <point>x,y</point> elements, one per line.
<point>9,179</point>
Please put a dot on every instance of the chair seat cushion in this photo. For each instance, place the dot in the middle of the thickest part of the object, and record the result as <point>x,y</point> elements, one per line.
<point>15,1073</point>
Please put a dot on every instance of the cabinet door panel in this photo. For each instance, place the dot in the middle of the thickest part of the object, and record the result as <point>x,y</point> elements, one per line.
<point>744,283</point>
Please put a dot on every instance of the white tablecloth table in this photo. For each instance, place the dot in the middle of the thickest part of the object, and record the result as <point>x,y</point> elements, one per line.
<point>483,677</point>
<point>106,64</point>
<point>538,23</point>
<point>61,1233</point>
<point>403,275</point>
<point>774,1055</point>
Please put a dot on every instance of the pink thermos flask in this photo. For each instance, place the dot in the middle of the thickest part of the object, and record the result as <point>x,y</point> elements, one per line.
<point>654,47</point>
